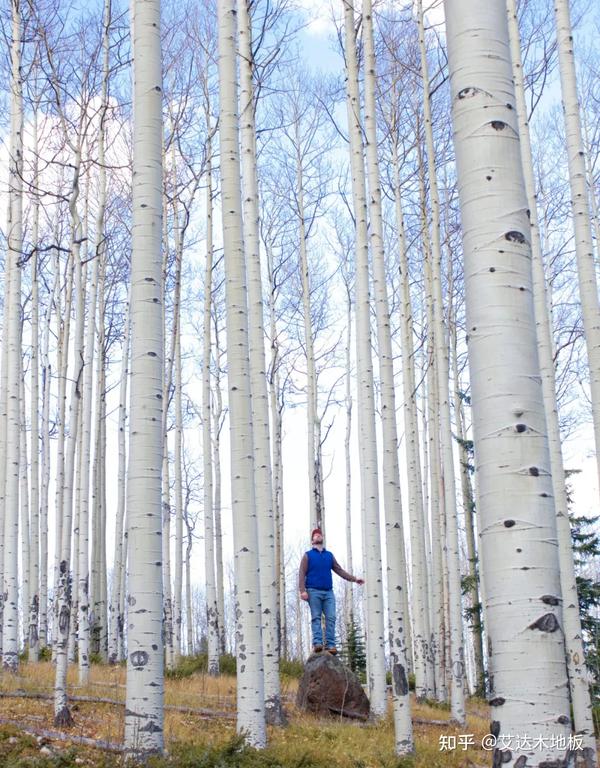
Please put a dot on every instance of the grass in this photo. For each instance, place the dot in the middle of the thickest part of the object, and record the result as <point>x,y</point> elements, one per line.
<point>191,742</point>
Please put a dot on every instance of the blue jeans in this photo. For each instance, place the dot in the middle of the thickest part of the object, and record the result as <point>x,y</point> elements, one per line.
<point>322,601</point>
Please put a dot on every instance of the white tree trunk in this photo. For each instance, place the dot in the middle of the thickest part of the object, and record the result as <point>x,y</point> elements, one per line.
<point>144,697</point>
<point>45,465</point>
<point>12,341</point>
<point>457,661</point>
<point>366,395</point>
<point>64,589</point>
<point>33,609</point>
<point>258,376</point>
<point>117,618</point>
<point>417,508</point>
<point>250,687</point>
<point>212,609</point>
<point>518,528</point>
<point>580,695</point>
<point>392,500</point>
<point>24,524</point>
<point>217,412</point>
<point>582,225</point>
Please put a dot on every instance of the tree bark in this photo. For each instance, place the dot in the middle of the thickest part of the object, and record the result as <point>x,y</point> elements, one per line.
<point>520,567</point>
<point>250,672</point>
<point>366,394</point>
<point>12,341</point>
<point>144,697</point>
<point>580,695</point>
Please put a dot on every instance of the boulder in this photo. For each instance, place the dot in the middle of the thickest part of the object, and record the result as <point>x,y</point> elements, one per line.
<point>329,688</point>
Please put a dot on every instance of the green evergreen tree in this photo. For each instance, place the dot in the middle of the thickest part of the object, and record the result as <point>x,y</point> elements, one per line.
<point>354,652</point>
<point>585,540</point>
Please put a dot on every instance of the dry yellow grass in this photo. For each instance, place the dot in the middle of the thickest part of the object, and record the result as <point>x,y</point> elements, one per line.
<point>307,740</point>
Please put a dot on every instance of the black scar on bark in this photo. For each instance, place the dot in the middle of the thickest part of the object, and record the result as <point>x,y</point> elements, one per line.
<point>495,728</point>
<point>534,471</point>
<point>498,125</point>
<point>521,762</point>
<point>497,702</point>
<point>515,237</point>
<point>139,658</point>
<point>468,93</point>
<point>151,727</point>
<point>400,680</point>
<point>501,756</point>
<point>564,720</point>
<point>63,718</point>
<point>521,427</point>
<point>550,599</point>
<point>509,523</point>
<point>546,623</point>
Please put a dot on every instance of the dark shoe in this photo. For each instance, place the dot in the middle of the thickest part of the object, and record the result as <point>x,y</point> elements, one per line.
<point>317,648</point>
<point>332,651</point>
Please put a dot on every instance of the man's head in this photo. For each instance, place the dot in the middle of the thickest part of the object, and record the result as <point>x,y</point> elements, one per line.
<point>316,537</point>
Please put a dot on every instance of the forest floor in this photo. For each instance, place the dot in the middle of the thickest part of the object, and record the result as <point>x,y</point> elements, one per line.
<point>200,728</point>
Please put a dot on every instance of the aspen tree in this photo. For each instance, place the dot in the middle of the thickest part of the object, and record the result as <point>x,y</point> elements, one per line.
<point>519,560</point>
<point>365,396</point>
<point>64,587</point>
<point>212,609</point>
<point>217,419</point>
<point>12,356</point>
<point>417,507</point>
<point>88,373</point>
<point>24,522</point>
<point>396,561</point>
<point>144,695</point>
<point>580,206</point>
<point>580,695</point>
<point>115,643</point>
<point>258,377</point>
<point>457,666</point>
<point>34,414</point>
<point>250,673</point>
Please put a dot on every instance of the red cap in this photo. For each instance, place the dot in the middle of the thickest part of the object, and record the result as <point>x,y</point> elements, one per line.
<point>315,530</point>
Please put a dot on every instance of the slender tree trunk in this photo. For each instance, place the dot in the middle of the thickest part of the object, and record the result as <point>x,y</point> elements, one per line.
<point>520,565</point>
<point>457,661</point>
<point>435,541</point>
<point>24,524</point>
<point>250,687</point>
<point>144,696</point>
<point>64,594</point>
<point>213,616</point>
<point>468,499</point>
<point>45,463</point>
<point>3,436</point>
<point>392,500</point>
<point>366,394</point>
<point>258,377</point>
<point>316,511</point>
<point>277,462</point>
<point>33,630</point>
<point>582,226</point>
<point>217,412</point>
<point>349,614</point>
<point>117,618</point>
<point>12,341</point>
<point>417,507</point>
<point>580,694</point>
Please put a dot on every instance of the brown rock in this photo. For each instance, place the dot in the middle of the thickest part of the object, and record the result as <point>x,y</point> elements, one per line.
<point>329,688</point>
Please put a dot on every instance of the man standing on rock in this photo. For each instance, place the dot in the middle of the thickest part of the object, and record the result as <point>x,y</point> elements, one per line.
<point>316,587</point>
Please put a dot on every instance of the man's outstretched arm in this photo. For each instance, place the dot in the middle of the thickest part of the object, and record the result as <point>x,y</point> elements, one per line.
<point>337,568</point>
